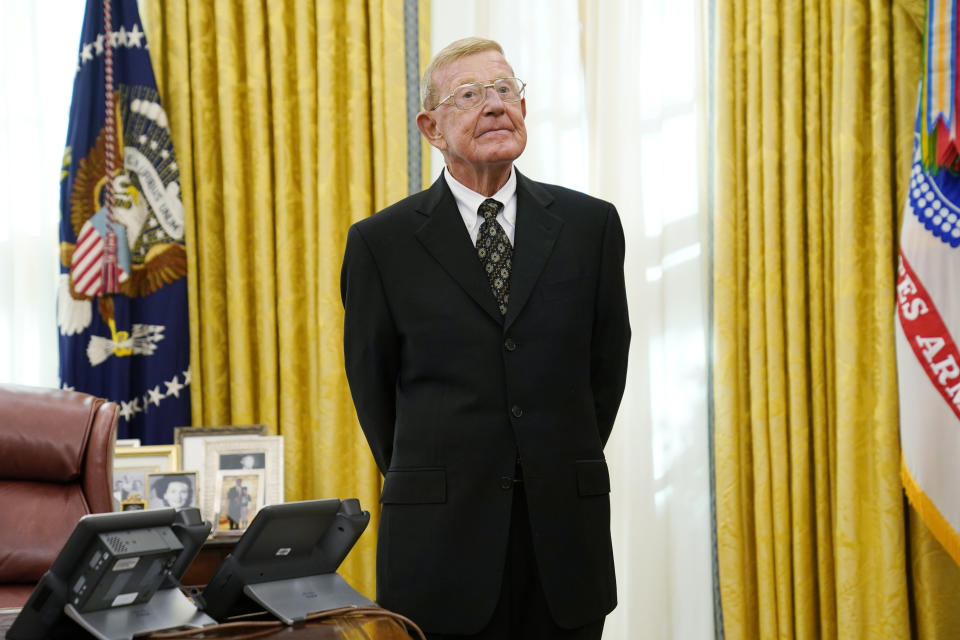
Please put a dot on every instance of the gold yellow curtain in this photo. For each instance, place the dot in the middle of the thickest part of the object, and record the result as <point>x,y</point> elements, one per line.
<point>814,109</point>
<point>290,122</point>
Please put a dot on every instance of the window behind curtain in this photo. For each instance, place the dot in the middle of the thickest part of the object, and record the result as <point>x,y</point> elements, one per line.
<point>615,106</point>
<point>38,58</point>
<point>645,76</point>
<point>541,40</point>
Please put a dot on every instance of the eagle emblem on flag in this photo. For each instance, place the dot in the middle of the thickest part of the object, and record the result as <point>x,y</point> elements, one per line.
<point>148,221</point>
<point>122,290</point>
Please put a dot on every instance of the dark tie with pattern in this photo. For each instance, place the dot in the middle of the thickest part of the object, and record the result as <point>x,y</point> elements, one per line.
<point>495,252</point>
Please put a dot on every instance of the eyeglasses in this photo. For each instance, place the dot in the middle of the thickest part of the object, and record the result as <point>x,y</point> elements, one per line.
<point>472,95</point>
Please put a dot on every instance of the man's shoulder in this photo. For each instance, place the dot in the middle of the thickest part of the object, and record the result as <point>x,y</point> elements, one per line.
<point>567,194</point>
<point>398,214</point>
<point>564,200</point>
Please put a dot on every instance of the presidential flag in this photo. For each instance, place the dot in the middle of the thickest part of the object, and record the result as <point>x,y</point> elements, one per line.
<point>122,299</point>
<point>928,294</point>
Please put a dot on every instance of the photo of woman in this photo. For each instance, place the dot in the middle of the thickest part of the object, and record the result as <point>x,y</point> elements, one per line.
<point>175,490</point>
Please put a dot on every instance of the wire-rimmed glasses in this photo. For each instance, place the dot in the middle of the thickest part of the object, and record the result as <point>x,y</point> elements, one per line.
<point>472,95</point>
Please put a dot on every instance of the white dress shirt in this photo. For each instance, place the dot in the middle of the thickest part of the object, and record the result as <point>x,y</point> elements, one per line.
<point>468,201</point>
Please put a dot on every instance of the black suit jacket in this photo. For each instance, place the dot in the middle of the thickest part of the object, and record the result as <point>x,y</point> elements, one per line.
<point>449,393</point>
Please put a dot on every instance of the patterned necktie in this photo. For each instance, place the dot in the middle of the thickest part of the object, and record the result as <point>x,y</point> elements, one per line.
<point>495,252</point>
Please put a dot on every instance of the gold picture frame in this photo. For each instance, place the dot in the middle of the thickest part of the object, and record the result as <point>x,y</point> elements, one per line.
<point>166,457</point>
<point>132,505</point>
<point>131,466</point>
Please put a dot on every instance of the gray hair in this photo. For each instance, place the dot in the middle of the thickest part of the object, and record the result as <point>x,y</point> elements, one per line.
<point>453,51</point>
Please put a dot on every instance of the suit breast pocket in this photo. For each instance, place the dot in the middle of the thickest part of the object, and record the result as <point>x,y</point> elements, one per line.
<point>564,287</point>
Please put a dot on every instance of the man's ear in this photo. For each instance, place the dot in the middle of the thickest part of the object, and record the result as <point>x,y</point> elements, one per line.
<point>428,127</point>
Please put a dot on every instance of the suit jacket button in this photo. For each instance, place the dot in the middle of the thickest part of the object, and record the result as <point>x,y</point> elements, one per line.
<point>516,411</point>
<point>505,483</point>
<point>510,345</point>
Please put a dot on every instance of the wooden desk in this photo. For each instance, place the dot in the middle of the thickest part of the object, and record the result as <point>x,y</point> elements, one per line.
<point>211,555</point>
<point>342,627</point>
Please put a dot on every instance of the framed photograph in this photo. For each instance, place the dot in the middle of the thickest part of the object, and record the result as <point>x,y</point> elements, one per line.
<point>177,489</point>
<point>159,457</point>
<point>256,460</point>
<point>131,466</point>
<point>129,485</point>
<point>238,455</point>
<point>239,494</point>
<point>192,453</point>
<point>133,505</point>
<point>128,442</point>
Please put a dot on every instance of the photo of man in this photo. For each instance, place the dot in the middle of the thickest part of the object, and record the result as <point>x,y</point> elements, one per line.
<point>128,485</point>
<point>243,460</point>
<point>239,497</point>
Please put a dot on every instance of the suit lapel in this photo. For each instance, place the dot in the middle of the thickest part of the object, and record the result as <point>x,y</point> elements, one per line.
<point>536,232</point>
<point>447,240</point>
<point>445,237</point>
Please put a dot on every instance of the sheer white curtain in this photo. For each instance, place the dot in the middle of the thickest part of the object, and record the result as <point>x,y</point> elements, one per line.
<point>542,41</point>
<point>646,106</point>
<point>38,57</point>
<point>615,108</point>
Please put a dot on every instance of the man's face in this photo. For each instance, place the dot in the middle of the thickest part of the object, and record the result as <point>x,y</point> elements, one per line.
<point>177,494</point>
<point>491,134</point>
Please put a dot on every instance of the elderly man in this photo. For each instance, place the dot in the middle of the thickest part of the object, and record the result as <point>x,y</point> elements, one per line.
<point>485,341</point>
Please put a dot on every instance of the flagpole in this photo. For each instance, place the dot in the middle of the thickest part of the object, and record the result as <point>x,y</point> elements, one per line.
<point>110,271</point>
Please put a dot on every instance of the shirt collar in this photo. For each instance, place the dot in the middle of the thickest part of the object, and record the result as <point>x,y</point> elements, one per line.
<point>468,200</point>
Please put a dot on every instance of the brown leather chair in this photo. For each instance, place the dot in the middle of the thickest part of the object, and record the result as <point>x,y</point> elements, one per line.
<point>56,465</point>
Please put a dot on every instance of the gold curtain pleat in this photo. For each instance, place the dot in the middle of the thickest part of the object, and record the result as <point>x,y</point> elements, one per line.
<point>290,123</point>
<point>814,108</point>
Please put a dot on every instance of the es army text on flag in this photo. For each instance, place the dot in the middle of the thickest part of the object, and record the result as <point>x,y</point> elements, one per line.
<point>122,299</point>
<point>928,293</point>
